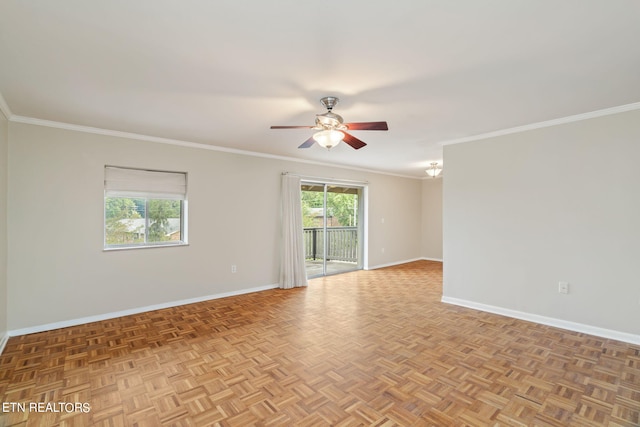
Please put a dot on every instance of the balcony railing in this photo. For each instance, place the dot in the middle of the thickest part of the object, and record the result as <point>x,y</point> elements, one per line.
<point>342,243</point>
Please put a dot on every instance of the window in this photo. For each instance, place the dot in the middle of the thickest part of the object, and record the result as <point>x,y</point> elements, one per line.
<point>144,208</point>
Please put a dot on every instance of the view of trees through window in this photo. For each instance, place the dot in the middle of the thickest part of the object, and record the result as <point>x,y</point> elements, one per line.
<point>130,221</point>
<point>342,209</point>
<point>331,232</point>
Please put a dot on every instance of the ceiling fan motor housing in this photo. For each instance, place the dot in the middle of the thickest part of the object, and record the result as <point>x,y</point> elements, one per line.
<point>329,120</point>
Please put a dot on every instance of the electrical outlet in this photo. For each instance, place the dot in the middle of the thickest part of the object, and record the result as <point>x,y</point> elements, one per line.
<point>563,287</point>
<point>234,268</point>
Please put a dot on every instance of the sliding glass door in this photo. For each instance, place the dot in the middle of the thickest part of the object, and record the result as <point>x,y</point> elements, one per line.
<point>332,221</point>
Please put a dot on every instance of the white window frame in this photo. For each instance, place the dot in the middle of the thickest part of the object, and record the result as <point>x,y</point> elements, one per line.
<point>147,184</point>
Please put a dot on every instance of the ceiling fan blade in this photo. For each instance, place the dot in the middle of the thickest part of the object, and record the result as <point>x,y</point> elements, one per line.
<point>291,127</point>
<point>367,126</point>
<point>308,143</point>
<point>353,141</point>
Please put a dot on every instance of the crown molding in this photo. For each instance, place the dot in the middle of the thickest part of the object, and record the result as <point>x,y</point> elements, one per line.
<point>547,123</point>
<point>188,144</point>
<point>4,108</point>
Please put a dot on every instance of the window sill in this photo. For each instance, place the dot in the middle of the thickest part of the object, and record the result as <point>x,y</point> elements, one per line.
<point>126,248</point>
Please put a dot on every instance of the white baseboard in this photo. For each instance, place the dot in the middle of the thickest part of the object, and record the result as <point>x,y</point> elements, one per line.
<point>137,310</point>
<point>550,321</point>
<point>391,264</point>
<point>3,342</point>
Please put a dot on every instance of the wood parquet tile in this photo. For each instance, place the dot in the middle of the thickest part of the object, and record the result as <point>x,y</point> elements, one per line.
<point>367,348</point>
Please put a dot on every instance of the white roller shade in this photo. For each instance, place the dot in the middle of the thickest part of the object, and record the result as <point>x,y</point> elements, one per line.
<point>125,182</point>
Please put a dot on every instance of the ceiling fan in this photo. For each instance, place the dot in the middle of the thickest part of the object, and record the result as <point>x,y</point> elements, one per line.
<point>332,129</point>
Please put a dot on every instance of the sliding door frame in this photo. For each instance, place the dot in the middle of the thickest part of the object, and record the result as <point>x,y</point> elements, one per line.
<point>361,223</point>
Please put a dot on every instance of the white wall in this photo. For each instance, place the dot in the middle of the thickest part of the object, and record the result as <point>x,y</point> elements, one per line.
<point>432,218</point>
<point>4,163</point>
<point>394,221</point>
<point>59,271</point>
<point>525,211</point>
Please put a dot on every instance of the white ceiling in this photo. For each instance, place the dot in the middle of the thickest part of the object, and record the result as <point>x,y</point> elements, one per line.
<point>221,72</point>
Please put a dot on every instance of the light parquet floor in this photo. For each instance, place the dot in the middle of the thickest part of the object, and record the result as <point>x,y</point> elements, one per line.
<point>367,348</point>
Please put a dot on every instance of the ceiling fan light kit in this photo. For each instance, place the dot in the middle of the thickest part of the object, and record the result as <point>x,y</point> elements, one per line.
<point>332,129</point>
<point>433,170</point>
<point>328,138</point>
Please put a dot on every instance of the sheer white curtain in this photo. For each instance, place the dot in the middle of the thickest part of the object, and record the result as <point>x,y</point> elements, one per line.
<point>292,268</point>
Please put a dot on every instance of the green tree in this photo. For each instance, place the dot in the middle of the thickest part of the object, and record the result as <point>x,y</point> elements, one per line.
<point>343,207</point>
<point>159,213</point>
<point>119,213</point>
<point>117,207</point>
<point>310,200</point>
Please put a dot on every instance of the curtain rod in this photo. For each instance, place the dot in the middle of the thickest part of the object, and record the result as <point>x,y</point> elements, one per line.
<point>323,179</point>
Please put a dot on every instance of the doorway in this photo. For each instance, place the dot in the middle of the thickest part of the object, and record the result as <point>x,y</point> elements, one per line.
<point>332,220</point>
